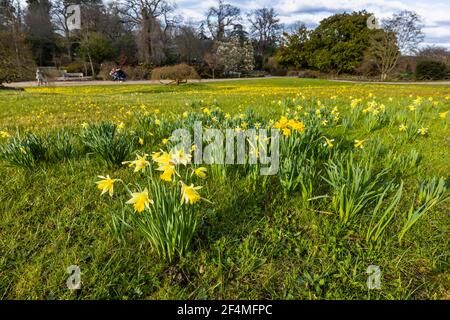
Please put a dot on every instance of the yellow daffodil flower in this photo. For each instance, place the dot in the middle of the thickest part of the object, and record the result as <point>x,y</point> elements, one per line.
<point>286,132</point>
<point>140,200</point>
<point>359,143</point>
<point>106,184</point>
<point>200,172</point>
<point>139,164</point>
<point>4,134</point>
<point>168,172</point>
<point>282,123</point>
<point>296,125</point>
<point>423,131</point>
<point>181,157</point>
<point>189,193</point>
<point>328,143</point>
<point>162,158</point>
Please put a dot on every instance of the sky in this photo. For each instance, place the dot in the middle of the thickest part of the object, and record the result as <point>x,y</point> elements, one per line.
<point>435,14</point>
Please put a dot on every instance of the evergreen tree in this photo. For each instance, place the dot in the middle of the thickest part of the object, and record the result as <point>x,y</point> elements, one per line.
<point>40,31</point>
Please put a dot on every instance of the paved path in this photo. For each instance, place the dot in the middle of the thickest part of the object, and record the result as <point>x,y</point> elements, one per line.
<point>27,84</point>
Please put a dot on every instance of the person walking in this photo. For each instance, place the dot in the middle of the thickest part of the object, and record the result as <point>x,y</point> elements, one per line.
<point>39,77</point>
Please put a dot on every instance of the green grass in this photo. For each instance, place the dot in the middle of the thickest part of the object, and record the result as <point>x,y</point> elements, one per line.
<point>251,243</point>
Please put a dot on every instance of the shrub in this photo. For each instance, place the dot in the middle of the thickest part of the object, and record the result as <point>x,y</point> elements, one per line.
<point>303,74</point>
<point>75,67</point>
<point>431,70</point>
<point>139,72</point>
<point>273,67</point>
<point>177,74</point>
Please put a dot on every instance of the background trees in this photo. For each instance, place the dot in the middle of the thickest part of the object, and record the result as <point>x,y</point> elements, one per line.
<point>221,19</point>
<point>407,27</point>
<point>40,31</point>
<point>337,45</point>
<point>265,28</point>
<point>400,33</point>
<point>145,34</point>
<point>384,52</point>
<point>16,61</point>
<point>295,48</point>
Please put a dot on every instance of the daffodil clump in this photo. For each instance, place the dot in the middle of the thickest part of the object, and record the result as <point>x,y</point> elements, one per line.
<point>288,126</point>
<point>162,210</point>
<point>374,115</point>
<point>4,134</point>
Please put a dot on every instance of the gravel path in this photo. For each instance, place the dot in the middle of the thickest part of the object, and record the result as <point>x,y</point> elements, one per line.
<point>28,84</point>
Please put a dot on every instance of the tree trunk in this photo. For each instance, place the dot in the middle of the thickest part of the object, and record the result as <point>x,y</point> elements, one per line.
<point>92,65</point>
<point>146,36</point>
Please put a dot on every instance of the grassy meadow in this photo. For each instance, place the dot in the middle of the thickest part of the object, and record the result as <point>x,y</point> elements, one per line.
<point>363,180</point>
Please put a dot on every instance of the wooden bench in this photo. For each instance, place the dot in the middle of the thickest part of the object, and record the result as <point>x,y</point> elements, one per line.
<point>77,76</point>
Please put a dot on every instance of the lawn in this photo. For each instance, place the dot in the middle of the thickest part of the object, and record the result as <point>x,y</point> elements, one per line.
<point>355,188</point>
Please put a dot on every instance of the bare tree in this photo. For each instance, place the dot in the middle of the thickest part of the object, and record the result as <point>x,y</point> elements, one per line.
<point>384,52</point>
<point>219,19</point>
<point>265,29</point>
<point>60,16</point>
<point>435,53</point>
<point>188,43</point>
<point>145,15</point>
<point>15,57</point>
<point>265,26</point>
<point>407,26</point>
